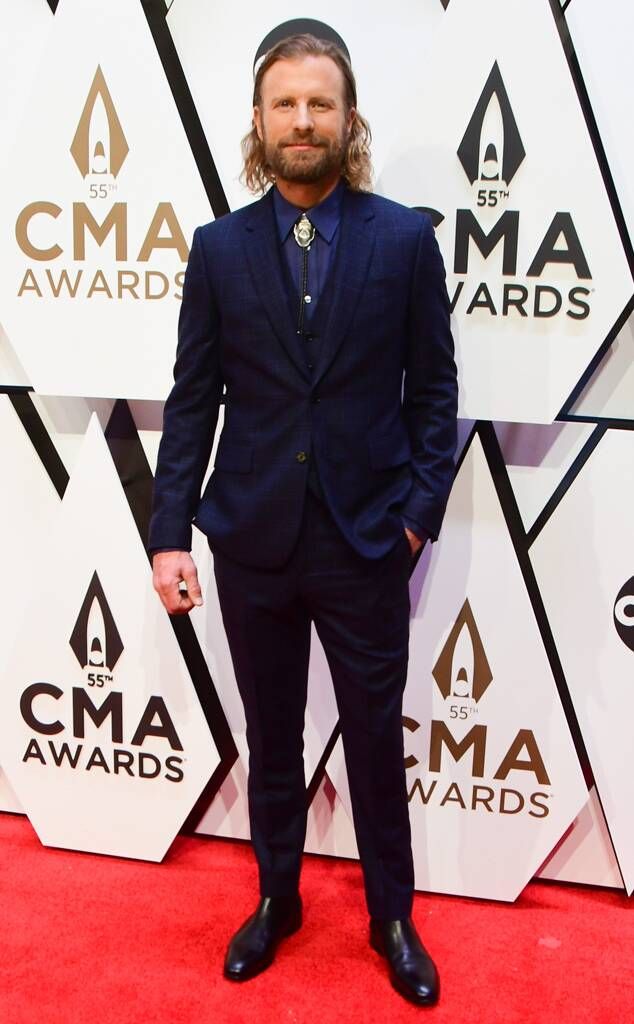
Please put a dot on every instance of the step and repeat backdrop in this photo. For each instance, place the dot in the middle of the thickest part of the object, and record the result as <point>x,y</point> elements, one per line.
<point>509,123</point>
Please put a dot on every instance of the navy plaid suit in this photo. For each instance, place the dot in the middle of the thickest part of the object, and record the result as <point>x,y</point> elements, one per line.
<point>378,417</point>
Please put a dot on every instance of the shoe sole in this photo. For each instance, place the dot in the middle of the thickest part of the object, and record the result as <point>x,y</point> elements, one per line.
<point>293,926</point>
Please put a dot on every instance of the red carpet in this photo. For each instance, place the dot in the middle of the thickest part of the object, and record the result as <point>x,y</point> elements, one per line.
<point>109,941</point>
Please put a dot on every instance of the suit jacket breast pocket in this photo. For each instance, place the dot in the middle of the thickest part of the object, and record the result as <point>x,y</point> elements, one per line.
<point>384,295</point>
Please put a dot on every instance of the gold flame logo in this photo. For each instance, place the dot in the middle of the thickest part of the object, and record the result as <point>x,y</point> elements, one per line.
<point>99,146</point>
<point>462,669</point>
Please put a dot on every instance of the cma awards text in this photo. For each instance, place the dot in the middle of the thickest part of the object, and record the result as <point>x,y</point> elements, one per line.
<point>35,224</point>
<point>107,757</point>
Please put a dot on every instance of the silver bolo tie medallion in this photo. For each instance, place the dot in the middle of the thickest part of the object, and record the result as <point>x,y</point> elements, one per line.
<point>304,231</point>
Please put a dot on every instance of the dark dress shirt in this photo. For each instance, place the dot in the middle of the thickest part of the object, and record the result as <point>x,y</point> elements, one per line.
<point>325,218</point>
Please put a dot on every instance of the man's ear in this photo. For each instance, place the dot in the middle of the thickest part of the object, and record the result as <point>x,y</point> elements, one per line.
<point>257,121</point>
<point>352,113</point>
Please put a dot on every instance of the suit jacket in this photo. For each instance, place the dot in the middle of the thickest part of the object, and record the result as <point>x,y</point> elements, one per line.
<point>377,413</point>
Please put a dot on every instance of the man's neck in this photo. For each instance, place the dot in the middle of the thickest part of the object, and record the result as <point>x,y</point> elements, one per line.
<point>304,195</point>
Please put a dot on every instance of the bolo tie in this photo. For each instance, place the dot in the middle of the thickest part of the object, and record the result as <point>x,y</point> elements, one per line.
<point>304,233</point>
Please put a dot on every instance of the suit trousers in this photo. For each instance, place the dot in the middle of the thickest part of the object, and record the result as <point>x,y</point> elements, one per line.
<point>360,608</point>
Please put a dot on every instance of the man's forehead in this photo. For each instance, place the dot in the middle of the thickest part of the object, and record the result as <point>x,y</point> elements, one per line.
<point>309,74</point>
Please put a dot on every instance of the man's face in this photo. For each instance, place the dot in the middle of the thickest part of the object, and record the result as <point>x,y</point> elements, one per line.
<point>302,119</point>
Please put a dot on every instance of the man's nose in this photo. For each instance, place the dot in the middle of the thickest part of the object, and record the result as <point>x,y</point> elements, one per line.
<point>303,117</point>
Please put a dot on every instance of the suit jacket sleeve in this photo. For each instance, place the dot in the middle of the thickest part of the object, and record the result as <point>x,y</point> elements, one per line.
<point>191,411</point>
<point>430,396</point>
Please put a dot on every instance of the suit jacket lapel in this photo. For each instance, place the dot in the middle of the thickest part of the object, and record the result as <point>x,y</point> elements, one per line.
<point>265,264</point>
<point>349,273</point>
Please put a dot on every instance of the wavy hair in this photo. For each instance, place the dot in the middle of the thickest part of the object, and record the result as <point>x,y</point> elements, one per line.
<point>357,167</point>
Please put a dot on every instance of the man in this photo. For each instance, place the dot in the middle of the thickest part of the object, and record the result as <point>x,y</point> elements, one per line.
<point>322,310</point>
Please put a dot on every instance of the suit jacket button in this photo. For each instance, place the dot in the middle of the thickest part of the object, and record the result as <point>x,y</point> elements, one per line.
<point>301,456</point>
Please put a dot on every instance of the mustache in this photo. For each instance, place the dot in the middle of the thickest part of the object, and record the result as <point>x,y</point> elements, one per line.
<point>302,140</point>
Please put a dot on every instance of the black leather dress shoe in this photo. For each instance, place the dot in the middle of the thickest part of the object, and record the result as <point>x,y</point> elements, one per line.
<point>412,970</point>
<point>253,946</point>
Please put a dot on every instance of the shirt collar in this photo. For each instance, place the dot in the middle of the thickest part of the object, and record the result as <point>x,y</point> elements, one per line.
<point>325,216</point>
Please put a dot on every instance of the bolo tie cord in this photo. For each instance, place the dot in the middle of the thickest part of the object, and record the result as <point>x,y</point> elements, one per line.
<point>302,299</point>
<point>304,233</point>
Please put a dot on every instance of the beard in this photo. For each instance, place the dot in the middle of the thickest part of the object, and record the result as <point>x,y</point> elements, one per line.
<point>309,165</point>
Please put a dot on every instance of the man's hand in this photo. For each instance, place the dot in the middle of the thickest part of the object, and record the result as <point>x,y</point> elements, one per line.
<point>169,569</point>
<point>415,542</point>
